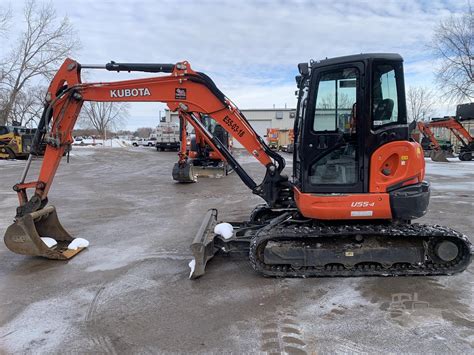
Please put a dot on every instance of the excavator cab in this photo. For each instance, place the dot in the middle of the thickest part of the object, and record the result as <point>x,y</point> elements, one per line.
<point>348,107</point>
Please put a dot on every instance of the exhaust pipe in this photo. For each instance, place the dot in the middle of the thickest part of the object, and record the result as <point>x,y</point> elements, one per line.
<point>24,235</point>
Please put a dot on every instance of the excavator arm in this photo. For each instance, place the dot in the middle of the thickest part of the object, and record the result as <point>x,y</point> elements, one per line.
<point>184,90</point>
<point>463,136</point>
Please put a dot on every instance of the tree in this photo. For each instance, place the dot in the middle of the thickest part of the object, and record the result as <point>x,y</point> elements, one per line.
<point>104,116</point>
<point>420,102</point>
<point>453,45</point>
<point>29,106</point>
<point>5,17</point>
<point>143,132</point>
<point>328,102</point>
<point>41,48</point>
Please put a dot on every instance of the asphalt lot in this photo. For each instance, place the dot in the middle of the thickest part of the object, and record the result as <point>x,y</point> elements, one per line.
<point>130,292</point>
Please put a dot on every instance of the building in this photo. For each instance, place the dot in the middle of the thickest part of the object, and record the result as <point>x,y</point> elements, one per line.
<point>260,119</point>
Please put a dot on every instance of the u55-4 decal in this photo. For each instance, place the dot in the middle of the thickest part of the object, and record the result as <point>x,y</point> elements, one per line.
<point>362,204</point>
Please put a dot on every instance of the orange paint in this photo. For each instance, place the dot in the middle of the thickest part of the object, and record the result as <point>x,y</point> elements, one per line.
<point>343,206</point>
<point>394,163</point>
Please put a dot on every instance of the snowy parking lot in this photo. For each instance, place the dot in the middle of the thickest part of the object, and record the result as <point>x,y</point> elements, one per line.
<point>130,289</point>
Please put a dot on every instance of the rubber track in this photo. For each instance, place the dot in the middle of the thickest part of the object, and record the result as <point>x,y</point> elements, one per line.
<point>430,233</point>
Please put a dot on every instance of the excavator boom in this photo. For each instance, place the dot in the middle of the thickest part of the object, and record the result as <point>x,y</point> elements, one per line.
<point>184,90</point>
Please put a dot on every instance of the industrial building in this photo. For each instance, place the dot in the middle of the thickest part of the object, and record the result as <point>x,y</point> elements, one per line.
<point>260,119</point>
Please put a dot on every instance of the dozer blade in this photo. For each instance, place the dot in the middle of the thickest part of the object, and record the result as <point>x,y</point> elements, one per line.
<point>215,172</point>
<point>439,156</point>
<point>208,244</point>
<point>183,173</point>
<point>203,247</point>
<point>24,235</point>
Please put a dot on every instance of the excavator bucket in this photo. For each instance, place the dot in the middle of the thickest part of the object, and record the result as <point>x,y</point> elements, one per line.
<point>439,156</point>
<point>183,173</point>
<point>27,236</point>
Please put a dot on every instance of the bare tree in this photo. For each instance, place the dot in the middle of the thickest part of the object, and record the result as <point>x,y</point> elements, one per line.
<point>104,116</point>
<point>143,132</point>
<point>453,45</point>
<point>420,102</point>
<point>43,45</point>
<point>5,17</point>
<point>327,102</point>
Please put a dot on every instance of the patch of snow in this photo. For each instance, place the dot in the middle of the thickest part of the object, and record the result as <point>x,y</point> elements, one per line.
<point>78,243</point>
<point>192,265</point>
<point>455,168</point>
<point>224,229</point>
<point>50,242</point>
<point>100,143</point>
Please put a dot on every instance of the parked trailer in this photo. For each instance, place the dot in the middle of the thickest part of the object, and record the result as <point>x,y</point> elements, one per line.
<point>167,136</point>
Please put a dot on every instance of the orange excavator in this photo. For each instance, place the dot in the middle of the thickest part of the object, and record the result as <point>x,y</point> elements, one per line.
<point>347,211</point>
<point>462,135</point>
<point>200,159</point>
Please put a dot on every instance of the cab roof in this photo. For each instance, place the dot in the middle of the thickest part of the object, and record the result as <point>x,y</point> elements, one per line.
<point>357,58</point>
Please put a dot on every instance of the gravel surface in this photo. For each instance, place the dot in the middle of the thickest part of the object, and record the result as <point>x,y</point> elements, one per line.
<point>130,292</point>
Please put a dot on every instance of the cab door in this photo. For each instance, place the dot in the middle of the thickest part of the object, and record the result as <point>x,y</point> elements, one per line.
<point>331,148</point>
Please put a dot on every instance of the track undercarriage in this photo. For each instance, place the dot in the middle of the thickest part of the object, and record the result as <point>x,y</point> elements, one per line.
<point>288,246</point>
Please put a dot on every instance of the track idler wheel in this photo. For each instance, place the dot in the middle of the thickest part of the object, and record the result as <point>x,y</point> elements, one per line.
<point>446,251</point>
<point>439,156</point>
<point>24,235</point>
<point>183,173</point>
<point>465,156</point>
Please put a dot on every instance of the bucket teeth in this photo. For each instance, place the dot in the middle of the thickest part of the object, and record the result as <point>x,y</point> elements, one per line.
<point>24,235</point>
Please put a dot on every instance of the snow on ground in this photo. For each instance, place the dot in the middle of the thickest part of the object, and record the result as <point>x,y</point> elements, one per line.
<point>224,229</point>
<point>50,242</point>
<point>455,168</point>
<point>10,162</point>
<point>78,243</point>
<point>192,265</point>
<point>111,143</point>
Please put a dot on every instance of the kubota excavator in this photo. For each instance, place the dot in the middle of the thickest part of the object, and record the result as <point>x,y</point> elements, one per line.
<point>200,159</point>
<point>358,179</point>
<point>462,135</point>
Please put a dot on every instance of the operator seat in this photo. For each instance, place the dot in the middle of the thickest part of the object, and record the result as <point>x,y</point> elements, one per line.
<point>384,110</point>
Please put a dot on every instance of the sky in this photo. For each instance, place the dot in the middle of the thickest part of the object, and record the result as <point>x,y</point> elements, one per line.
<point>251,48</point>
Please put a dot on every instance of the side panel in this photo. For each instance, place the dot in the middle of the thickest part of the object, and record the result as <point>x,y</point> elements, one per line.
<point>343,206</point>
<point>396,164</point>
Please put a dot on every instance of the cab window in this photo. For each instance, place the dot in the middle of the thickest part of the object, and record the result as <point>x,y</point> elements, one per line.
<point>335,100</point>
<point>384,96</point>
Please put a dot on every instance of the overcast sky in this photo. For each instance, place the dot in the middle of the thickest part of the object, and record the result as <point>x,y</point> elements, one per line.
<point>251,48</point>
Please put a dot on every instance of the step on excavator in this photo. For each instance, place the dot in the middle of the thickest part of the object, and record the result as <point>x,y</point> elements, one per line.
<point>358,179</point>
<point>200,159</point>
